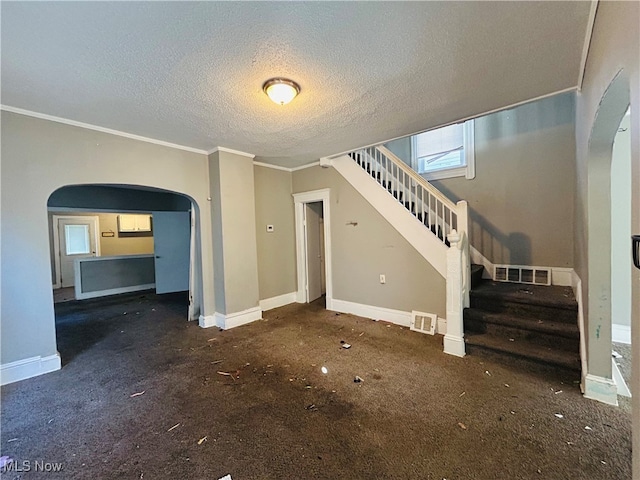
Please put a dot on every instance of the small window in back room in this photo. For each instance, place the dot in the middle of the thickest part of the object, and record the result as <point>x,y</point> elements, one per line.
<point>77,239</point>
<point>444,152</point>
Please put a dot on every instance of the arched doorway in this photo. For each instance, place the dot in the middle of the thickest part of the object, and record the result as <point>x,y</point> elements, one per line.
<point>118,239</point>
<point>613,106</point>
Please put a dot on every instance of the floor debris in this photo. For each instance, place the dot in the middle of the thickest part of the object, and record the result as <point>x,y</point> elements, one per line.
<point>588,428</point>
<point>202,440</point>
<point>559,415</point>
<point>216,362</point>
<point>487,372</point>
<point>615,354</point>
<point>462,394</point>
<point>226,477</point>
<point>12,440</point>
<point>462,425</point>
<point>358,379</point>
<point>137,394</point>
<point>346,346</point>
<point>311,407</point>
<point>175,426</point>
<point>4,461</point>
<point>506,385</point>
<point>556,393</point>
<point>324,370</point>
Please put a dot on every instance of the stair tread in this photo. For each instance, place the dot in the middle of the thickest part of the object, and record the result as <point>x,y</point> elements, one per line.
<point>567,330</point>
<point>550,296</point>
<point>526,350</point>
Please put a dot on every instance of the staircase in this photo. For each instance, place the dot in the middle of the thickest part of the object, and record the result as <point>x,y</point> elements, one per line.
<point>534,322</point>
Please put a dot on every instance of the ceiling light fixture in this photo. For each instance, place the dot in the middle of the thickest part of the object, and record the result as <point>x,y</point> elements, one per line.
<point>281,90</point>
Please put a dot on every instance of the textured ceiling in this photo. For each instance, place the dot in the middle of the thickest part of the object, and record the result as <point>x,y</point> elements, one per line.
<point>191,73</point>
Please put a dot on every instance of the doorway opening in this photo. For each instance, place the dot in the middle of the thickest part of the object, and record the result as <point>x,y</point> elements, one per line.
<point>313,246</point>
<point>108,242</point>
<point>609,217</point>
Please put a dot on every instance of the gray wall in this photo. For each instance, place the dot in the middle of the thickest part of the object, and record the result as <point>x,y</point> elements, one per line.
<point>361,253</point>
<point>112,273</point>
<point>234,226</point>
<point>39,157</point>
<point>614,49</point>
<point>522,199</point>
<point>117,198</point>
<point>621,261</point>
<point>276,250</point>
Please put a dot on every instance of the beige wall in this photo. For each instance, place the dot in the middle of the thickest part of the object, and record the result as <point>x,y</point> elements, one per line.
<point>276,250</point>
<point>234,226</point>
<point>40,156</point>
<point>521,201</point>
<point>361,253</point>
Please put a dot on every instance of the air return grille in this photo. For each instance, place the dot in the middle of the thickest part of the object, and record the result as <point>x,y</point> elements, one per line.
<point>423,322</point>
<point>522,274</point>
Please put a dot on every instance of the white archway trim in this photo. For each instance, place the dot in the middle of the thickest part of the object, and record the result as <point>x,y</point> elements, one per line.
<point>300,199</point>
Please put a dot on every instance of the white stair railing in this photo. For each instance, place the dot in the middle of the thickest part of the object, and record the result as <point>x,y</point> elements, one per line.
<point>447,220</point>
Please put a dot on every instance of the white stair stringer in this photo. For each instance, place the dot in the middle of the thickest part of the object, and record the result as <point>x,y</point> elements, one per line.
<point>414,231</point>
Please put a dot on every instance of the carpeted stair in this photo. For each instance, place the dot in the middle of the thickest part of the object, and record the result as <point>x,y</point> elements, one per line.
<point>534,322</point>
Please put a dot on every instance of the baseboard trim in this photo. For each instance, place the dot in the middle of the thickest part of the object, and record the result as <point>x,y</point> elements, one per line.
<point>278,301</point>
<point>114,291</point>
<point>601,389</point>
<point>576,285</point>
<point>621,385</point>
<point>376,313</point>
<point>236,319</point>
<point>207,321</point>
<point>621,333</point>
<point>454,345</point>
<point>28,368</point>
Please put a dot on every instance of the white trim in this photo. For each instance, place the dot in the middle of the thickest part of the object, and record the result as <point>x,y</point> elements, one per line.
<point>56,241</point>
<point>376,313</point>
<point>446,173</point>
<point>114,291</point>
<point>621,385</point>
<point>269,165</point>
<point>28,368</point>
<point>454,345</point>
<point>229,150</point>
<point>237,319</point>
<point>576,285</point>
<point>621,333</point>
<point>601,389</point>
<point>441,326</point>
<point>88,126</point>
<point>587,42</point>
<point>426,243</point>
<point>278,301</point>
<point>207,321</point>
<point>562,276</point>
<point>308,165</point>
<point>300,199</point>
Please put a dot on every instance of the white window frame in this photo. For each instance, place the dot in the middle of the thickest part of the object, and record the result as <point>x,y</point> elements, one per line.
<point>468,171</point>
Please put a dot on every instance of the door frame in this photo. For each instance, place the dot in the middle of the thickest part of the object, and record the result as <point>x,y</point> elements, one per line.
<point>300,199</point>
<point>56,240</point>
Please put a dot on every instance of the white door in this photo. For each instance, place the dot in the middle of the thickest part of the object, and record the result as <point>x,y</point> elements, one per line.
<point>313,216</point>
<point>171,242</point>
<point>76,239</point>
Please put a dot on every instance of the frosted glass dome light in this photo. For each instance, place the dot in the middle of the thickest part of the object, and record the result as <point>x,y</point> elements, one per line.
<point>281,90</point>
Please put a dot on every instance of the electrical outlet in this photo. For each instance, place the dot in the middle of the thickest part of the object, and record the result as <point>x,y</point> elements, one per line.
<point>383,279</point>
<point>270,228</point>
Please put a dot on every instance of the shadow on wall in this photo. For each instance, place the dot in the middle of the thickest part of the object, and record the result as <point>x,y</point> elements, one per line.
<point>498,247</point>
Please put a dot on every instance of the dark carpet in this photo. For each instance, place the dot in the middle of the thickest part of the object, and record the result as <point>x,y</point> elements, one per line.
<point>144,394</point>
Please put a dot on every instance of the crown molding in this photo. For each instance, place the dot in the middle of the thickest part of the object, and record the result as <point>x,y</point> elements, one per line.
<point>587,42</point>
<point>269,165</point>
<point>229,150</point>
<point>308,165</point>
<point>88,126</point>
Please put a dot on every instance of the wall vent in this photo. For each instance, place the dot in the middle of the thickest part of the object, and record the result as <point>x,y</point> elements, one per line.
<point>423,322</point>
<point>522,274</point>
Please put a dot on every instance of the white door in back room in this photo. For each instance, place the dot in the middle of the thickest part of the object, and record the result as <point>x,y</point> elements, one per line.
<point>76,238</point>
<point>171,241</point>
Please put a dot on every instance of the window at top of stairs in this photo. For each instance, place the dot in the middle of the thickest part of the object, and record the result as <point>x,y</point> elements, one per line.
<point>444,152</point>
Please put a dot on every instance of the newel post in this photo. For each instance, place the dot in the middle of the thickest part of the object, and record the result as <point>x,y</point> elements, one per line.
<point>454,338</point>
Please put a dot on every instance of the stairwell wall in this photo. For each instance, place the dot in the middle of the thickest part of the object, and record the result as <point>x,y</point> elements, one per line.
<point>365,245</point>
<point>521,201</point>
